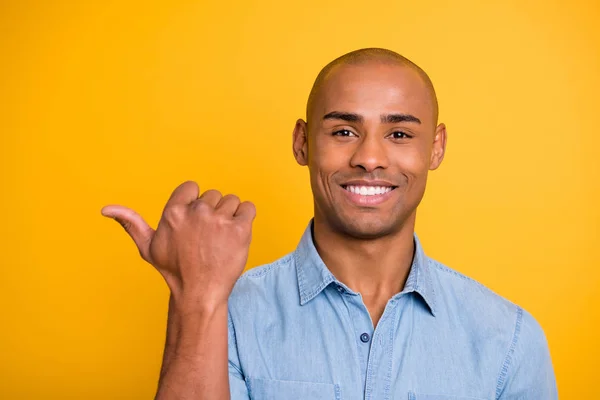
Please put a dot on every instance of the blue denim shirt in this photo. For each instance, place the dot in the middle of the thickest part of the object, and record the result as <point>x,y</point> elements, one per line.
<point>296,332</point>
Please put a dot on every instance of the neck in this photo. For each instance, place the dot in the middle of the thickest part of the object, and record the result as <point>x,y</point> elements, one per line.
<point>375,268</point>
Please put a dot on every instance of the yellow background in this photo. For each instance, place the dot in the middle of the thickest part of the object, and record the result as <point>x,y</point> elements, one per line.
<point>119,102</point>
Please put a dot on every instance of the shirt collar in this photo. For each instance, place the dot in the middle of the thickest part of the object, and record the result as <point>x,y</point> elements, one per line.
<point>314,276</point>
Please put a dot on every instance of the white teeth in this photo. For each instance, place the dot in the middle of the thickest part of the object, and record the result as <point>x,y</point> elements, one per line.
<point>369,190</point>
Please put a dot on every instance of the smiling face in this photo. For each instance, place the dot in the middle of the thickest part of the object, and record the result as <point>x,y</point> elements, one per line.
<point>370,140</point>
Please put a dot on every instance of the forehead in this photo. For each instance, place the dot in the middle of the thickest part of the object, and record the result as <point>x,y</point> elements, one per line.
<point>373,89</point>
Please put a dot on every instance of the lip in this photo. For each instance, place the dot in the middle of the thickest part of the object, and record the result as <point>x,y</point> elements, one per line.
<point>362,182</point>
<point>368,201</point>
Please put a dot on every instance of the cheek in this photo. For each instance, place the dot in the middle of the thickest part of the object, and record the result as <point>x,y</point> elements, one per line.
<point>324,161</point>
<point>413,161</point>
<point>319,165</point>
<point>325,158</point>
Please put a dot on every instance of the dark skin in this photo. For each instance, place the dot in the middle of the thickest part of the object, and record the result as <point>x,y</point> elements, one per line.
<point>372,121</point>
<point>362,127</point>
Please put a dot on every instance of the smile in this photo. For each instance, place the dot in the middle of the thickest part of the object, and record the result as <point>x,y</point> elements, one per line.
<point>368,190</point>
<point>365,195</point>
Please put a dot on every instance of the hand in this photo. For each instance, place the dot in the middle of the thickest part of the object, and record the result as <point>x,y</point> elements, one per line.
<point>200,246</point>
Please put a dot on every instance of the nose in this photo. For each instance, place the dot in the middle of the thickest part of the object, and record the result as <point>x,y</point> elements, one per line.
<point>370,154</point>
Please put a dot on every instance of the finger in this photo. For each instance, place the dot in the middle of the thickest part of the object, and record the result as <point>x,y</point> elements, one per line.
<point>185,193</point>
<point>134,225</point>
<point>228,204</point>
<point>210,197</point>
<point>246,211</point>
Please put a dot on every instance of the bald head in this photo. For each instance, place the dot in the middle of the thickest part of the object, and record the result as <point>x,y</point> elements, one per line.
<point>364,57</point>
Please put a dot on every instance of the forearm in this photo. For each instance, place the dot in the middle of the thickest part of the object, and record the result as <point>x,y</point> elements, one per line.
<point>173,323</point>
<point>195,362</point>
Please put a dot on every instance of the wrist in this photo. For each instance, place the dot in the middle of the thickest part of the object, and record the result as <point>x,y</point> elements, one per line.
<point>197,306</point>
<point>196,325</point>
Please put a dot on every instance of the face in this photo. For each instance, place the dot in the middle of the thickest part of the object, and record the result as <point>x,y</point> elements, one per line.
<point>370,141</point>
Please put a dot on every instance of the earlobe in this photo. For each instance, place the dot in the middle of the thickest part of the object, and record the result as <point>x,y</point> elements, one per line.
<point>300,142</point>
<point>439,147</point>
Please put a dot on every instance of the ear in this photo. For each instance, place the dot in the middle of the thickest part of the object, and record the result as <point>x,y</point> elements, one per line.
<point>439,147</point>
<point>300,142</point>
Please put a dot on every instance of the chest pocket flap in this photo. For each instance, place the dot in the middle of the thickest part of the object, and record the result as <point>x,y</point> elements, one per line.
<point>270,389</point>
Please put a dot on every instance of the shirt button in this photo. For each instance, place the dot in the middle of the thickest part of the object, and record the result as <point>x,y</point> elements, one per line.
<point>340,289</point>
<point>364,337</point>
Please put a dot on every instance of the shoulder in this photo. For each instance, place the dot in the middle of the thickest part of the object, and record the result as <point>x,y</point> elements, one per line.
<point>527,367</point>
<point>283,267</point>
<point>484,310</point>
<point>455,289</point>
<point>478,308</point>
<point>265,281</point>
<point>495,321</point>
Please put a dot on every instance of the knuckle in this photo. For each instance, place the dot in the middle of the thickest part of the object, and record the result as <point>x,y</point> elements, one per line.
<point>174,213</point>
<point>189,183</point>
<point>222,219</point>
<point>232,197</point>
<point>243,229</point>
<point>213,192</point>
<point>202,207</point>
<point>250,207</point>
<point>240,228</point>
<point>230,201</point>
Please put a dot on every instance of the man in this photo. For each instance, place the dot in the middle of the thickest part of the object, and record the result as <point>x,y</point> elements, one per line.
<point>357,311</point>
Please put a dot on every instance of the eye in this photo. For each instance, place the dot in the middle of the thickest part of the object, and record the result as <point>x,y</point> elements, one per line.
<point>400,135</point>
<point>344,133</point>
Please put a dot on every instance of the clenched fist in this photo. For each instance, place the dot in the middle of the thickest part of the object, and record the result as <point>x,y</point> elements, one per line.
<point>201,244</point>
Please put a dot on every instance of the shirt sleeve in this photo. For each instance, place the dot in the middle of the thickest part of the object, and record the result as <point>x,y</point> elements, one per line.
<point>237,383</point>
<point>527,372</point>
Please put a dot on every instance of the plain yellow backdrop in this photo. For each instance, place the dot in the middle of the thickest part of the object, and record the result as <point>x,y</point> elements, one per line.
<point>119,102</point>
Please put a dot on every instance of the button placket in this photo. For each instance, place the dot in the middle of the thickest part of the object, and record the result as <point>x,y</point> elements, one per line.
<point>362,328</point>
<point>379,353</point>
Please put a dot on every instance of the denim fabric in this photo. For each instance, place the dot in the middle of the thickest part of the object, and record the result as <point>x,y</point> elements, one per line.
<point>296,332</point>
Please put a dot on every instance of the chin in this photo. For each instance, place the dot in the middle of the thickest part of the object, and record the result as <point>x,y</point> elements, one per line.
<point>367,227</point>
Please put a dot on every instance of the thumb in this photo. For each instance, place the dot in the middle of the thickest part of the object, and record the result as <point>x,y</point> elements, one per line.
<point>134,225</point>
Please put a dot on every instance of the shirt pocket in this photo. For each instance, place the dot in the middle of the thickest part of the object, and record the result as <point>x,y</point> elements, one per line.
<point>417,396</point>
<point>270,389</point>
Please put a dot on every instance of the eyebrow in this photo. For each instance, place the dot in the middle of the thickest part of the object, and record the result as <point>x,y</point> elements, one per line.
<point>344,116</point>
<point>385,118</point>
<point>396,118</point>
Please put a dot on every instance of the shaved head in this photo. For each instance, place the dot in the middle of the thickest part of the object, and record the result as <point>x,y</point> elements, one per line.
<point>369,56</point>
<point>374,136</point>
